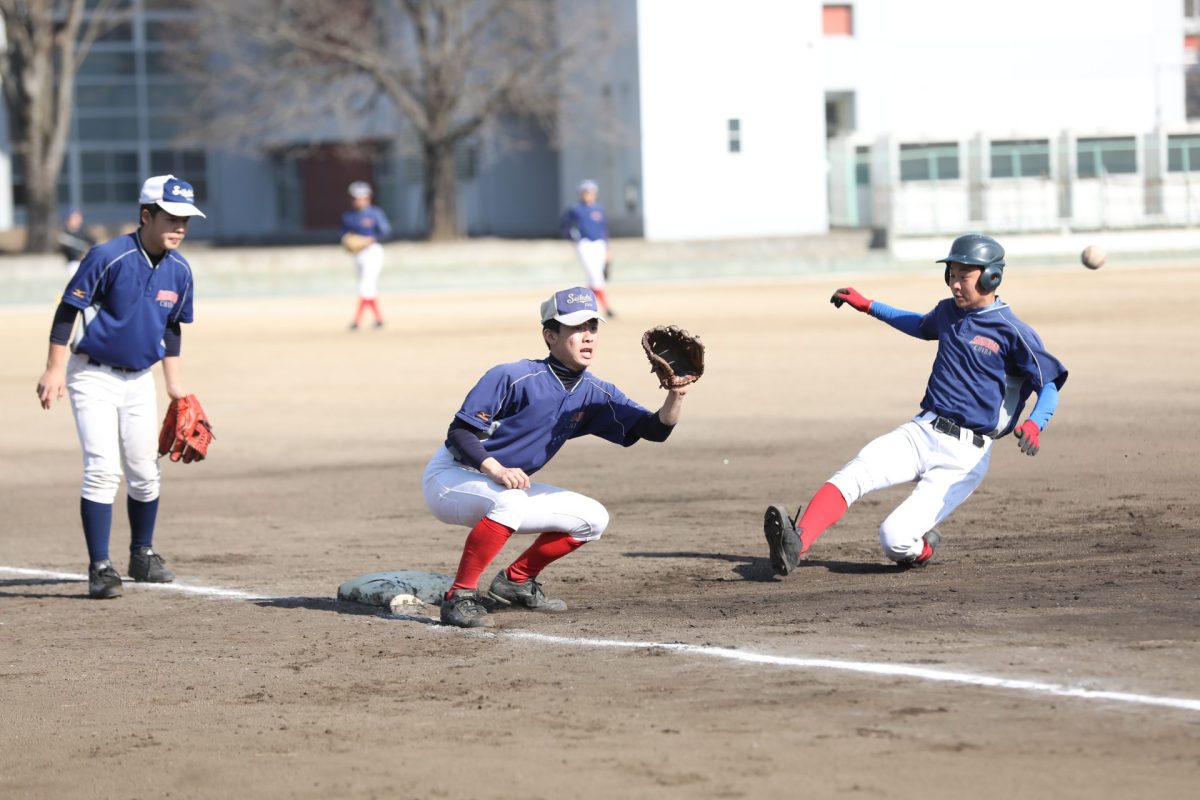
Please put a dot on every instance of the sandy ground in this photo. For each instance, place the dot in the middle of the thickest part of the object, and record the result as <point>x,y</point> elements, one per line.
<point>1078,567</point>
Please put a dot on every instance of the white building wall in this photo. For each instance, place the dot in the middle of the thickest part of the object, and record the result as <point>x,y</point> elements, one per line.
<point>949,68</point>
<point>704,62</point>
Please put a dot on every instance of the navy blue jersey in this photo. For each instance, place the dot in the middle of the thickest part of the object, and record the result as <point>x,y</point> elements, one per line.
<point>127,302</point>
<point>529,415</point>
<point>582,221</point>
<point>370,221</point>
<point>988,363</point>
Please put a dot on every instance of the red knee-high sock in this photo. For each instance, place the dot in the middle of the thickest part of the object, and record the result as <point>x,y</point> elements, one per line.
<point>484,543</point>
<point>826,507</point>
<point>358,312</point>
<point>601,298</point>
<point>545,549</point>
<point>374,306</point>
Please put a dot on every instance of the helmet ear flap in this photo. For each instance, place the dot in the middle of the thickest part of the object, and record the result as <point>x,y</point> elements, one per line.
<point>989,279</point>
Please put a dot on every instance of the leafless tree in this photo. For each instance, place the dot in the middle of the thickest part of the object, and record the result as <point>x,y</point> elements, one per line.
<point>44,44</point>
<point>302,72</point>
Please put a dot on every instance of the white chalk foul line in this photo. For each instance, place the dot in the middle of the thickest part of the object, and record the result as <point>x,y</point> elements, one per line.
<point>890,670</point>
<point>729,654</point>
<point>183,588</point>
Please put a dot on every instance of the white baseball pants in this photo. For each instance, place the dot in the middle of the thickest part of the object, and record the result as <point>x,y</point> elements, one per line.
<point>458,495</point>
<point>368,262</point>
<point>116,416</point>
<point>592,255</point>
<point>946,470</point>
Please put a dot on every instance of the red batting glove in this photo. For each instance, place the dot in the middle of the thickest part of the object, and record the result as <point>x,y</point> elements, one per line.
<point>1027,437</point>
<point>851,296</point>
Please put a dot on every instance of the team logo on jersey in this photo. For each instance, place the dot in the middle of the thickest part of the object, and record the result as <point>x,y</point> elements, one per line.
<point>166,298</point>
<point>80,293</point>
<point>981,343</point>
<point>597,216</point>
<point>483,416</point>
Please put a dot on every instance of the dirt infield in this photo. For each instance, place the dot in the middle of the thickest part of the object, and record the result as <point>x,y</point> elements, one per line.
<point>1080,567</point>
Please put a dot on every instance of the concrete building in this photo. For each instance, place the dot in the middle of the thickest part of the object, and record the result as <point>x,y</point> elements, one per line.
<point>719,119</point>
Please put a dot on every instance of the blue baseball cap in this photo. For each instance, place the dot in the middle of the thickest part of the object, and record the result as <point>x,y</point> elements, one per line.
<point>572,306</point>
<point>170,194</point>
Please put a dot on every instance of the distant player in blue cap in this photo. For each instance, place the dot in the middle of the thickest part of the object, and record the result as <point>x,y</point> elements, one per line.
<point>585,224</point>
<point>134,291</point>
<point>509,426</point>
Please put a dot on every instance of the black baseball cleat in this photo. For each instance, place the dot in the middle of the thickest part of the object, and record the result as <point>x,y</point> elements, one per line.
<point>465,610</point>
<point>147,565</point>
<point>523,595</point>
<point>932,540</point>
<point>782,539</point>
<point>103,581</point>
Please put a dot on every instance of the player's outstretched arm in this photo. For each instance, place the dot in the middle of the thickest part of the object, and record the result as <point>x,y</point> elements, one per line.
<point>672,407</point>
<point>53,383</point>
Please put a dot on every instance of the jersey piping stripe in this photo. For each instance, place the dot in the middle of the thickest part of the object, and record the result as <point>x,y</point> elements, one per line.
<point>612,410</point>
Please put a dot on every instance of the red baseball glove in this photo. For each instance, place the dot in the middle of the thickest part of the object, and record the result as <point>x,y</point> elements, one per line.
<point>186,431</point>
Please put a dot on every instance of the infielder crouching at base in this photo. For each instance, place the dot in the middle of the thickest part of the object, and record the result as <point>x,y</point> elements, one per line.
<point>988,364</point>
<point>510,425</point>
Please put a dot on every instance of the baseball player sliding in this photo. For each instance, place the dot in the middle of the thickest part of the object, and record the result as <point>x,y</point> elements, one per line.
<point>510,425</point>
<point>585,224</point>
<point>988,363</point>
<point>134,291</point>
<point>366,225</point>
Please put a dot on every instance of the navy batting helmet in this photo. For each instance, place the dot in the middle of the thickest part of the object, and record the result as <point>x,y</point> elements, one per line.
<point>977,250</point>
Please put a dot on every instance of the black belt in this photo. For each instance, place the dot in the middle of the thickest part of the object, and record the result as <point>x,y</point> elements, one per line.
<point>94,363</point>
<point>952,428</point>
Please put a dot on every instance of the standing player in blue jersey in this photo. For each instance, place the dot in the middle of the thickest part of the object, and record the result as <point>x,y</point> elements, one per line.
<point>135,292</point>
<point>514,421</point>
<point>366,219</point>
<point>585,224</point>
<point>988,364</point>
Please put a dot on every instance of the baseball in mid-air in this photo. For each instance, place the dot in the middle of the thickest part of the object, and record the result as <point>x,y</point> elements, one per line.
<point>1092,257</point>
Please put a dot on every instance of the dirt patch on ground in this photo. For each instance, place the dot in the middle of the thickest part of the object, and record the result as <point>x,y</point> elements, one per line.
<point>1077,567</point>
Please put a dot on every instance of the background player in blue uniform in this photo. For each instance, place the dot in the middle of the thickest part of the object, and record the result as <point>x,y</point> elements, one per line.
<point>134,291</point>
<point>366,219</point>
<point>585,224</point>
<point>515,419</point>
<point>988,364</point>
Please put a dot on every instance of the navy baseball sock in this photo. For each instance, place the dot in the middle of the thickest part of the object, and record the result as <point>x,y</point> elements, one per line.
<point>97,525</point>
<point>141,522</point>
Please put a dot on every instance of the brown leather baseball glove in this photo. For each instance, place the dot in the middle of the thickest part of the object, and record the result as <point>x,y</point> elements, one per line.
<point>354,242</point>
<point>186,431</point>
<point>676,356</point>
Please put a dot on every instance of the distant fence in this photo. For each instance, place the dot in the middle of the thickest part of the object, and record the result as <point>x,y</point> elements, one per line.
<point>1067,182</point>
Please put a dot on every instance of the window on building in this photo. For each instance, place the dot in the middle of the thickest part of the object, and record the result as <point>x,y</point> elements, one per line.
<point>1113,155</point>
<point>1021,158</point>
<point>862,166</point>
<point>1183,153</point>
<point>929,162</point>
<point>735,136</point>
<point>109,176</point>
<point>837,19</point>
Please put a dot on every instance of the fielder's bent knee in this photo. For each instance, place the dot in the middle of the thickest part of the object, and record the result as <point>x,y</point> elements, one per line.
<point>594,523</point>
<point>509,508</point>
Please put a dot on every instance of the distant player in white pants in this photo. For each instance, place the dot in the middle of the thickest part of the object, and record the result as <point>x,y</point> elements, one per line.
<point>134,291</point>
<point>585,224</point>
<point>366,219</point>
